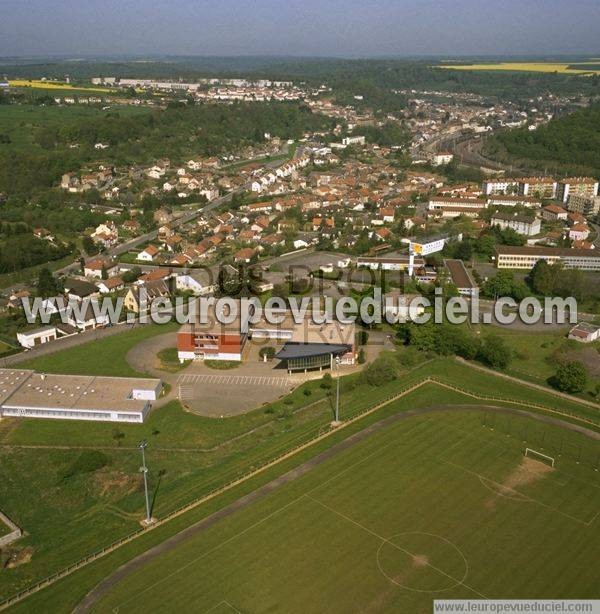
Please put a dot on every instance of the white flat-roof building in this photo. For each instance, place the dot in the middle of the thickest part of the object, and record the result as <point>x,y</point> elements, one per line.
<point>27,394</point>
<point>31,338</point>
<point>522,257</point>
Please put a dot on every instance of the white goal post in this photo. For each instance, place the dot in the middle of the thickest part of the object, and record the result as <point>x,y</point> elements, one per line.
<point>544,457</point>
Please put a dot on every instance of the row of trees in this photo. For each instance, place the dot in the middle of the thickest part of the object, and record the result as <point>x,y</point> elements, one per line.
<point>570,144</point>
<point>446,339</point>
<point>22,251</point>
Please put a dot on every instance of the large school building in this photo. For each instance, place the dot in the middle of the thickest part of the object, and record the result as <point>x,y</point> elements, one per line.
<point>525,257</point>
<point>302,346</point>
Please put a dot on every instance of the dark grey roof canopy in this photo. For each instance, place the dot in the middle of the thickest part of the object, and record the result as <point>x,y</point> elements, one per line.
<point>293,350</point>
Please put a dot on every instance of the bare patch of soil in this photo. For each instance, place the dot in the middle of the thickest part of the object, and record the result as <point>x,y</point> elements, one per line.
<point>17,556</point>
<point>114,484</point>
<point>420,560</point>
<point>528,472</point>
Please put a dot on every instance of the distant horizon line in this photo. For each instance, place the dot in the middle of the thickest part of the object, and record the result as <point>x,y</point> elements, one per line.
<point>161,56</point>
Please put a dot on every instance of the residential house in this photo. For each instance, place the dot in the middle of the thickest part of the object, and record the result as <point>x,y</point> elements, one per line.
<point>100,267</point>
<point>579,232</point>
<point>148,254</point>
<point>87,316</point>
<point>197,282</point>
<point>141,298</point>
<point>112,284</point>
<point>80,290</point>
<point>245,255</point>
<point>554,213</point>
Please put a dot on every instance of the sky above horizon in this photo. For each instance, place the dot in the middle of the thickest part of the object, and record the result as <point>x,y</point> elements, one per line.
<point>349,28</point>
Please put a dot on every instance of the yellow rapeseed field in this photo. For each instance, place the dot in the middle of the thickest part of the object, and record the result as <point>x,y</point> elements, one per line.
<point>53,85</point>
<point>525,66</point>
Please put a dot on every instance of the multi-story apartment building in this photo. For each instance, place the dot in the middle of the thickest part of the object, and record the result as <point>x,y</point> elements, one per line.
<point>586,187</point>
<point>541,187</point>
<point>586,205</point>
<point>520,223</point>
<point>504,185</point>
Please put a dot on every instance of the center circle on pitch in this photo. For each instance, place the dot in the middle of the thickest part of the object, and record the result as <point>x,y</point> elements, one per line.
<point>422,562</point>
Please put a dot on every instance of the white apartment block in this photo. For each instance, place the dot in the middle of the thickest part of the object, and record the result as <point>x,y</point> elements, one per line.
<point>521,224</point>
<point>542,187</point>
<point>500,186</point>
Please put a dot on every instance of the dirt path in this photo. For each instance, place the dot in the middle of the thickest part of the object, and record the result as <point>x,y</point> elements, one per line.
<point>136,563</point>
<point>529,384</point>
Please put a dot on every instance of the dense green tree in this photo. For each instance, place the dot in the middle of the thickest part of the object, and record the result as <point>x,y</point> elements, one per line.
<point>47,284</point>
<point>495,352</point>
<point>382,370</point>
<point>570,377</point>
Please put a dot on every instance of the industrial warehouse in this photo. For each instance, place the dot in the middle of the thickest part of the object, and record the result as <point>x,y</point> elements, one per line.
<point>27,394</point>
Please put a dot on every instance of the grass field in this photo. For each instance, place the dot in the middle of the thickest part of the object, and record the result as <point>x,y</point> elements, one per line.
<point>105,356</point>
<point>551,67</point>
<point>537,355</point>
<point>436,506</point>
<point>188,455</point>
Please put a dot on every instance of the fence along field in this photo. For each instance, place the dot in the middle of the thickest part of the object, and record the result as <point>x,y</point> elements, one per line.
<point>437,505</point>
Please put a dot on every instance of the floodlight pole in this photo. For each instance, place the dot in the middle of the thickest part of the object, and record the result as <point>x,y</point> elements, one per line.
<point>337,399</point>
<point>144,470</point>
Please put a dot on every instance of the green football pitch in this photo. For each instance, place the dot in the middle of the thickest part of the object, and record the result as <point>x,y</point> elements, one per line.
<point>442,505</point>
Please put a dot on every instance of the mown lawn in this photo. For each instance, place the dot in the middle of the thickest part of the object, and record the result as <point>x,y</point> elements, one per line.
<point>104,356</point>
<point>416,509</point>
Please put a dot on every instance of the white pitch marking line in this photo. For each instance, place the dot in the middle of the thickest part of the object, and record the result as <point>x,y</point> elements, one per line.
<point>407,552</point>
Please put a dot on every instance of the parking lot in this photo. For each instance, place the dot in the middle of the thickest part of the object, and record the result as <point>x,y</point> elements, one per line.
<point>234,380</point>
<point>225,394</point>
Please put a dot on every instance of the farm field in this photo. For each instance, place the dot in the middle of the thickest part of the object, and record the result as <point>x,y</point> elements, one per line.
<point>64,88</point>
<point>548,67</point>
<point>436,506</point>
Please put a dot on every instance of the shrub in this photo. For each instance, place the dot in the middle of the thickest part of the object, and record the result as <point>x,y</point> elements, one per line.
<point>494,352</point>
<point>361,357</point>
<point>570,377</point>
<point>326,381</point>
<point>87,462</point>
<point>267,351</point>
<point>382,370</point>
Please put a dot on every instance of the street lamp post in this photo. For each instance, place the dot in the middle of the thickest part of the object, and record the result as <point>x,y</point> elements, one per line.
<point>144,471</point>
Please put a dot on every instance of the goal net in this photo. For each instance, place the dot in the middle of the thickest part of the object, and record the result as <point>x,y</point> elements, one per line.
<point>539,456</point>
